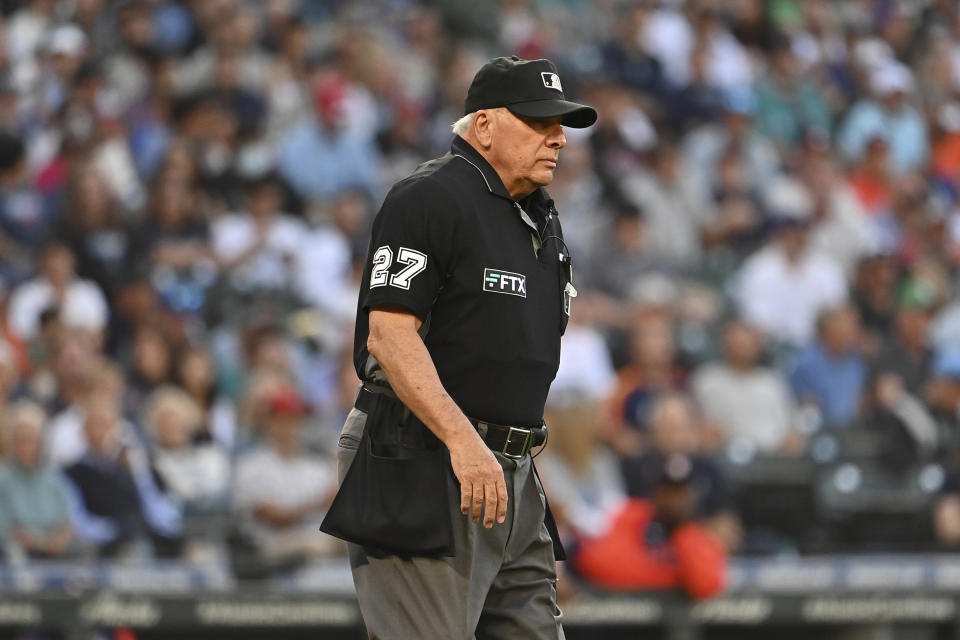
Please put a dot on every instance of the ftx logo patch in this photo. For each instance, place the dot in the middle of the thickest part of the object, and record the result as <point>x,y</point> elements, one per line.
<point>496,281</point>
<point>551,80</point>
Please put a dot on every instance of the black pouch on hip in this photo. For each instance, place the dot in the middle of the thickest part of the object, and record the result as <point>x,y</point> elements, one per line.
<point>393,498</point>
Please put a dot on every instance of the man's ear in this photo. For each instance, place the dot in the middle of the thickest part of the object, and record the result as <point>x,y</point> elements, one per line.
<point>483,125</point>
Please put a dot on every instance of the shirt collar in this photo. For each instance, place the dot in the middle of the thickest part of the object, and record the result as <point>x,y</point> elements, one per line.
<point>539,199</point>
<point>462,148</point>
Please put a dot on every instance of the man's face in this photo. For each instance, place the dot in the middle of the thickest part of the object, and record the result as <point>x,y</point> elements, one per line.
<point>525,150</point>
<point>672,427</point>
<point>100,424</point>
<point>58,266</point>
<point>913,326</point>
<point>793,239</point>
<point>742,345</point>
<point>26,446</point>
<point>675,503</point>
<point>841,331</point>
<point>283,431</point>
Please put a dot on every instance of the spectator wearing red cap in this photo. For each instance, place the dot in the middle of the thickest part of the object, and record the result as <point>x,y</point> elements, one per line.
<point>329,151</point>
<point>281,492</point>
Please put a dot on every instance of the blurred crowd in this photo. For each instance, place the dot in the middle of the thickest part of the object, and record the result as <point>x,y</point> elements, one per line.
<point>764,223</point>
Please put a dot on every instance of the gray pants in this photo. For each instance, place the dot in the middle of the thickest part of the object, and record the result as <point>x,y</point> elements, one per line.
<point>501,584</point>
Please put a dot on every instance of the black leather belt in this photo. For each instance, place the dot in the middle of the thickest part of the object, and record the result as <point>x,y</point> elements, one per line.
<point>512,442</point>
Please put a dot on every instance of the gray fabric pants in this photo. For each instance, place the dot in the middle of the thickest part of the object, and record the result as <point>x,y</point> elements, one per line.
<point>500,585</point>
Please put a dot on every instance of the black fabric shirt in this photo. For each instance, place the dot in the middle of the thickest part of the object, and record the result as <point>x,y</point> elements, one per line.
<point>486,276</point>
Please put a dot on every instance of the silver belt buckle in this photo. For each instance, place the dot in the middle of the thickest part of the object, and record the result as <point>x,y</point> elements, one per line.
<point>527,434</point>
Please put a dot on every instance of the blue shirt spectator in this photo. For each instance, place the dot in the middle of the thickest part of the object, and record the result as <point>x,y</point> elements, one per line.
<point>890,118</point>
<point>34,511</point>
<point>831,373</point>
<point>326,155</point>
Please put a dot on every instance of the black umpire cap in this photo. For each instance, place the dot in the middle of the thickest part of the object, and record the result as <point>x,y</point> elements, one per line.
<point>528,88</point>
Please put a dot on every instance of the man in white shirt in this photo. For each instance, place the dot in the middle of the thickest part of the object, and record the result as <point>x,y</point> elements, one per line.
<point>750,403</point>
<point>281,492</point>
<point>259,249</point>
<point>80,302</point>
<point>784,285</point>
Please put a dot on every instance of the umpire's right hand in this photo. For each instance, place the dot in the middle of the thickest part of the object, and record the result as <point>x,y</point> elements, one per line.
<point>481,478</point>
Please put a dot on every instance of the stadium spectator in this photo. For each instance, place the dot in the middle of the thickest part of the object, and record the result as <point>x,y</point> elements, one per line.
<point>735,132</point>
<point>789,104</point>
<point>651,372</point>
<point>96,232</point>
<point>172,247</point>
<point>625,58</point>
<point>616,266</point>
<point>197,375</point>
<point>580,475</point>
<point>831,373</point>
<point>260,249</point>
<point>874,293</point>
<point>738,221</point>
<point>79,303</point>
<point>672,213</point>
<point>329,151</point>
<point>749,402</point>
<point>871,182</point>
<point>23,218</point>
<point>280,492</point>
<point>787,283</point>
<point>907,355</point>
<point>334,248</point>
<point>151,366</point>
<point>656,543</point>
<point>697,102</point>
<point>115,502</point>
<point>196,474</point>
<point>841,228</point>
<point>586,370</point>
<point>674,429</point>
<point>889,116</point>
<point>67,440</point>
<point>34,512</point>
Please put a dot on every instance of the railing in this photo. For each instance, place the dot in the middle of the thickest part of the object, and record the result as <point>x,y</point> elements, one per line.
<point>829,592</point>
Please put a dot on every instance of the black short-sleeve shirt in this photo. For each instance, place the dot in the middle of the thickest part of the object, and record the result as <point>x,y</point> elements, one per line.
<point>487,276</point>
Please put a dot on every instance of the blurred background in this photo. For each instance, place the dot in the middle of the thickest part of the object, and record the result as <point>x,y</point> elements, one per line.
<point>765,228</point>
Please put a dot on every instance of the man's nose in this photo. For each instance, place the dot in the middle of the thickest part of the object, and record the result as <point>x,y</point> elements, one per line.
<point>556,139</point>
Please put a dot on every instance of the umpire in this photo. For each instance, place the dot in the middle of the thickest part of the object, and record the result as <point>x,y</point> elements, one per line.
<point>465,295</point>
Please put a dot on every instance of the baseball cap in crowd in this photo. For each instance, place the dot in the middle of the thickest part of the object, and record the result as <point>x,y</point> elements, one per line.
<point>677,470</point>
<point>528,88</point>
<point>286,401</point>
<point>891,77</point>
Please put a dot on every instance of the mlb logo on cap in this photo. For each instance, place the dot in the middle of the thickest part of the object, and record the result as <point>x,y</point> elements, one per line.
<point>551,80</point>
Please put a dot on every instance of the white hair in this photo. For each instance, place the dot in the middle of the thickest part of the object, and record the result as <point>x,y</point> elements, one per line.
<point>463,125</point>
<point>26,415</point>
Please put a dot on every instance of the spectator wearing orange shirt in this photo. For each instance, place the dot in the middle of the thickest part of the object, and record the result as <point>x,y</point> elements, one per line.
<point>656,544</point>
